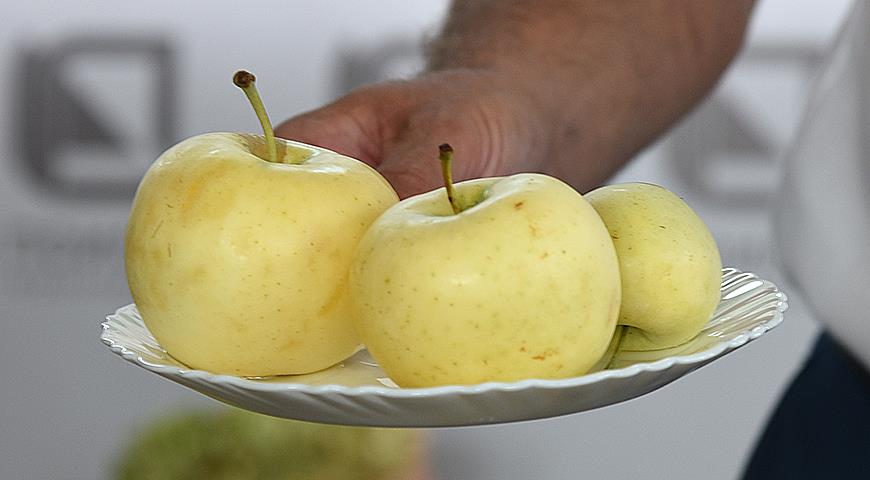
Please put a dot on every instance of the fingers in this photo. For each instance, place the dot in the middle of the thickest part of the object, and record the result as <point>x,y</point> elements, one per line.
<point>397,127</point>
<point>476,134</point>
<point>347,126</point>
<point>411,164</point>
<point>391,127</point>
<point>412,169</point>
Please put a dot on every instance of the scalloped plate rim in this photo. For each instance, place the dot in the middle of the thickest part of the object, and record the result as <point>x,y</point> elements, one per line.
<point>533,383</point>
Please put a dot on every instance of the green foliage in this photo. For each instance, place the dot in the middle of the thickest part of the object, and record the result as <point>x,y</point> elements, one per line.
<point>237,445</point>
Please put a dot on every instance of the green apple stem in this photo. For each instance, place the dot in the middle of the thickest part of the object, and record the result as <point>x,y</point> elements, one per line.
<point>445,154</point>
<point>246,81</point>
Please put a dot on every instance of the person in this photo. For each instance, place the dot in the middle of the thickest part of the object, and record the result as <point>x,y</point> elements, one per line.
<point>575,89</point>
<point>821,428</point>
<point>569,88</point>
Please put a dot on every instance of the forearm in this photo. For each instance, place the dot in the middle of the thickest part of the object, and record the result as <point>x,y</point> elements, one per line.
<point>608,76</point>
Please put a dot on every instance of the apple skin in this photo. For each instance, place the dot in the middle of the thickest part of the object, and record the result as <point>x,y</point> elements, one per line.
<point>239,265</point>
<point>669,264</point>
<point>523,284</point>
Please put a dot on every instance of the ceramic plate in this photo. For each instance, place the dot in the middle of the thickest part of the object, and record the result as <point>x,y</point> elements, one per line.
<point>357,392</point>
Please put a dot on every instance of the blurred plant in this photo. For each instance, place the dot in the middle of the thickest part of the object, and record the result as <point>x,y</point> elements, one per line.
<point>238,445</point>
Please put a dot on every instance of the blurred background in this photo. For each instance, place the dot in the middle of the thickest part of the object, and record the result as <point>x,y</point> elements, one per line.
<point>94,91</point>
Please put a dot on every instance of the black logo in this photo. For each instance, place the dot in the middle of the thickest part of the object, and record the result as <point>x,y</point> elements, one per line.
<point>68,143</point>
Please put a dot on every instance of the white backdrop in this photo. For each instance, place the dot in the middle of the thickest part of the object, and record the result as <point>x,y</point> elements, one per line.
<point>67,405</point>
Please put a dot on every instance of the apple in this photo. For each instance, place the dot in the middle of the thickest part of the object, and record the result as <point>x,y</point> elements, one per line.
<point>238,248</point>
<point>497,279</point>
<point>669,264</point>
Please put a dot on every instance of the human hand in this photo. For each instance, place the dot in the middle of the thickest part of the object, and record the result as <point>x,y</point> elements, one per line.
<point>396,127</point>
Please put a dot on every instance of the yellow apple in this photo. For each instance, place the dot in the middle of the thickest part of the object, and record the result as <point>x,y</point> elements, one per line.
<point>669,264</point>
<point>237,259</point>
<point>522,283</point>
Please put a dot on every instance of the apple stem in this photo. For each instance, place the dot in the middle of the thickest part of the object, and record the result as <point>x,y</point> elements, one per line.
<point>445,154</point>
<point>246,81</point>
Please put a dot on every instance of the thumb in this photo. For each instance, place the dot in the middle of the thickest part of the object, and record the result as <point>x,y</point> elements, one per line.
<point>342,127</point>
<point>412,166</point>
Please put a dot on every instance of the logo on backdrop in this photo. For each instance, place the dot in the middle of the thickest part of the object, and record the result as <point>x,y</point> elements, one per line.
<point>94,111</point>
<point>728,152</point>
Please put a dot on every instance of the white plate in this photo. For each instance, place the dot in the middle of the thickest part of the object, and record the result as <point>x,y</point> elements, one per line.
<point>357,392</point>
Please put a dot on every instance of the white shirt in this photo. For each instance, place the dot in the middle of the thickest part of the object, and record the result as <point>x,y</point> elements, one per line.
<point>823,219</point>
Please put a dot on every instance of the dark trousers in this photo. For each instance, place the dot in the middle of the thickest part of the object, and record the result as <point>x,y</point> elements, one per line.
<point>821,428</point>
